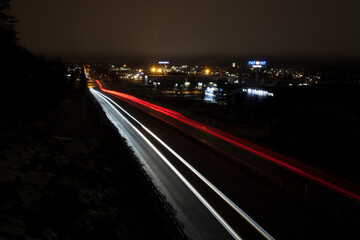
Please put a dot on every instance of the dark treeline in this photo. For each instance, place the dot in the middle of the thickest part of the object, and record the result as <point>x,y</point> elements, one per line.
<point>30,84</point>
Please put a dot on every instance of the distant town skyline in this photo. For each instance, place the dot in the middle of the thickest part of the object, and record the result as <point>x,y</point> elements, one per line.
<point>106,29</point>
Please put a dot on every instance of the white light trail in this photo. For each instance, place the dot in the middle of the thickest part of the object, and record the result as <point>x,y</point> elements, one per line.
<point>182,178</point>
<point>207,182</point>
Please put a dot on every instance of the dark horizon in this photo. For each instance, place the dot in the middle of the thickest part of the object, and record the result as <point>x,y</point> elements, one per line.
<point>211,60</point>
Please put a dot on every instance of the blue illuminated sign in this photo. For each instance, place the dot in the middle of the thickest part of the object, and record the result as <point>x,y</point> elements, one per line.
<point>261,63</point>
<point>256,64</point>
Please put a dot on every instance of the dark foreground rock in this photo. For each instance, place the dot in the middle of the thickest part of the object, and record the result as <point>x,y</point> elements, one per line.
<point>70,176</point>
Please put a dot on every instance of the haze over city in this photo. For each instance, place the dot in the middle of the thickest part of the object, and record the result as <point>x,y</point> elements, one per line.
<point>109,30</point>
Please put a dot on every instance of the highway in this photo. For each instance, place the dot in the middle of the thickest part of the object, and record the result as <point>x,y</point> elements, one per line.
<point>218,190</point>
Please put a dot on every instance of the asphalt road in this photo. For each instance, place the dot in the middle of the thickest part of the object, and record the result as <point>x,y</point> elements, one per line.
<point>227,193</point>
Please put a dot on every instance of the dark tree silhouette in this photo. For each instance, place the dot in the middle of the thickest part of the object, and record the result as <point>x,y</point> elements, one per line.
<point>7,28</point>
<point>29,83</point>
<point>9,46</point>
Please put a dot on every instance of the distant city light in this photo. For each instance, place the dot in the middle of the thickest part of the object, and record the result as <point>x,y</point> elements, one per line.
<point>163,62</point>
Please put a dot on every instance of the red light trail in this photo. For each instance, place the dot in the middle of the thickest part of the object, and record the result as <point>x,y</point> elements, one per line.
<point>327,180</point>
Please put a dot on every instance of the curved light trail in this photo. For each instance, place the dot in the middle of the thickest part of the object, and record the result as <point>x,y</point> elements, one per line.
<point>206,181</point>
<point>327,180</point>
<point>172,167</point>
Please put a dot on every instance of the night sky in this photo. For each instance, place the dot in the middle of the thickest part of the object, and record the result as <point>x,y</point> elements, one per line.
<point>81,29</point>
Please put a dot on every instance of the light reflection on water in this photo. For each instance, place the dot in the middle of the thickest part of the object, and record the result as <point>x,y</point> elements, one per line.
<point>257,92</point>
<point>217,95</point>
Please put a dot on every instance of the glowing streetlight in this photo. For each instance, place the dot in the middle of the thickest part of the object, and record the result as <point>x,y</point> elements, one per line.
<point>207,71</point>
<point>153,69</point>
